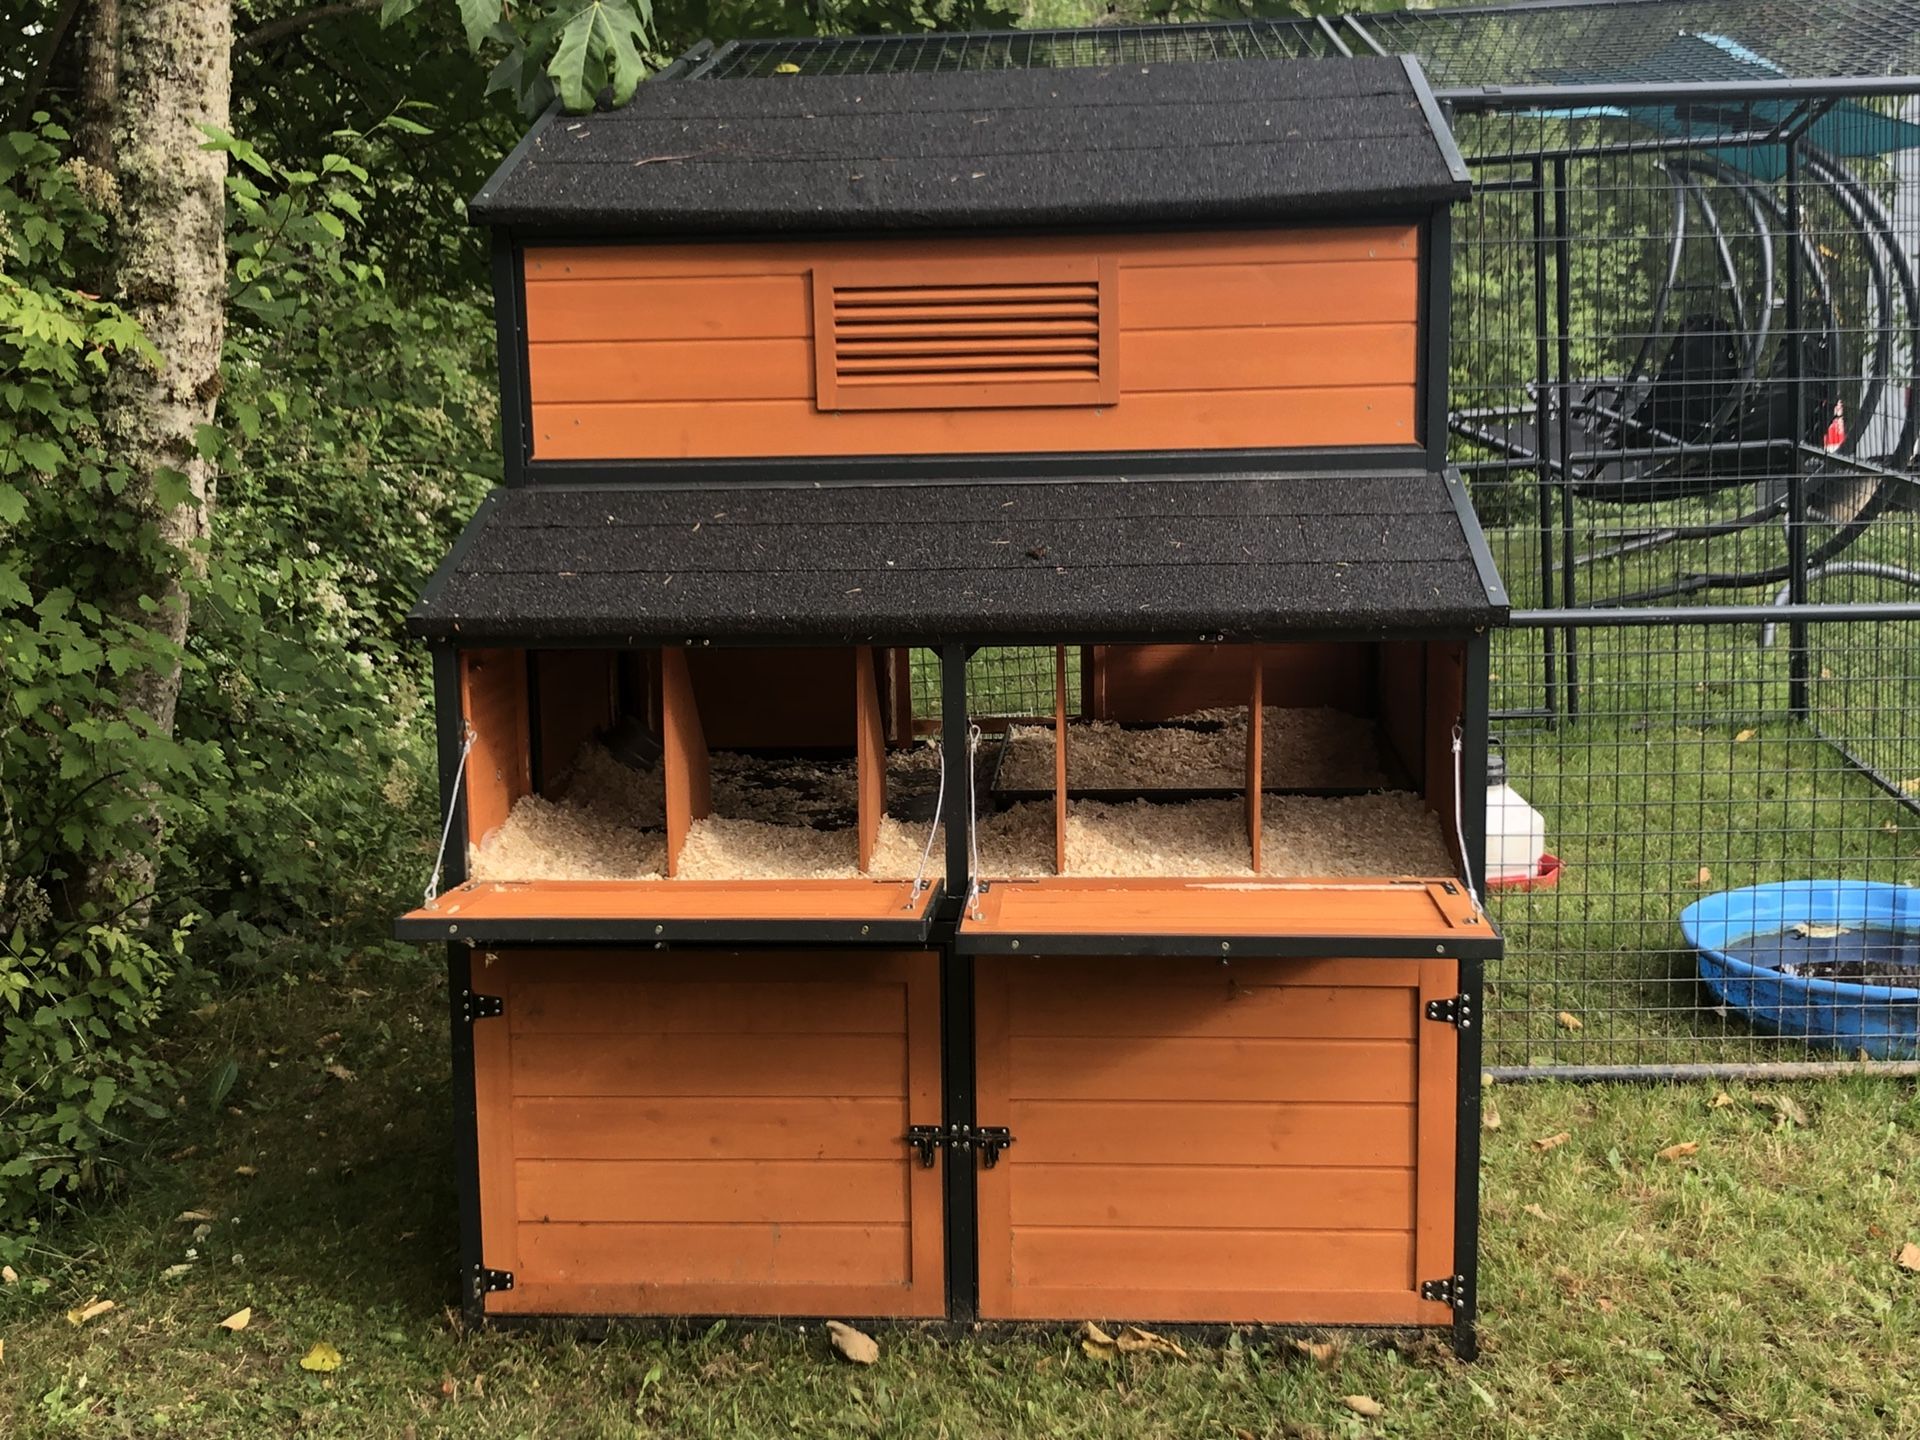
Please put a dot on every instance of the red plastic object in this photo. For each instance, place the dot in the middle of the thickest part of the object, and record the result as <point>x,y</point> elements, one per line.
<point>1545,878</point>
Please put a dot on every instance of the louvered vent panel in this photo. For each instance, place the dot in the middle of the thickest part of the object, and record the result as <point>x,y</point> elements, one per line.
<point>909,335</point>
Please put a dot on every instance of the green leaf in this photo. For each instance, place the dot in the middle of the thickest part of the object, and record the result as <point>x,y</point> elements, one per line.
<point>392,10</point>
<point>42,455</point>
<point>13,505</point>
<point>224,1077</point>
<point>478,16</point>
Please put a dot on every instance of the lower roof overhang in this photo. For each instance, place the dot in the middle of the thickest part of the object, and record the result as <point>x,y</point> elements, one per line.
<point>1242,556</point>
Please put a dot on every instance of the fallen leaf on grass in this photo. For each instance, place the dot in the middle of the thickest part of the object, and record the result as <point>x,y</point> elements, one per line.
<point>1720,1101</point>
<point>239,1319</point>
<point>1536,1211</point>
<point>246,1170</point>
<point>194,1217</point>
<point>1704,878</point>
<point>92,1310</point>
<point>9,1275</point>
<point>1910,1256</point>
<point>174,1272</point>
<point>341,1073</point>
<point>327,1041</point>
<point>1744,736</point>
<point>322,1359</point>
<point>1363,1405</point>
<point>1567,1020</point>
<point>1322,1352</point>
<point>1786,1110</point>
<point>1491,1117</point>
<point>1135,1341</point>
<point>1552,1142</point>
<point>851,1344</point>
<point>1681,1151</point>
<point>1604,1305</point>
<point>1097,1342</point>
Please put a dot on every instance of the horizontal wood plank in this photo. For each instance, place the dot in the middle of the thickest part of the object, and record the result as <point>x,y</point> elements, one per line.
<point>855,900</point>
<point>1335,908</point>
<point>766,1191</point>
<point>1236,1304</point>
<point>704,1128</point>
<point>634,1008</point>
<point>1355,415</point>
<point>923,1300</point>
<point>726,371</point>
<point>1174,1132</point>
<point>1211,1197</point>
<point>1301,245</point>
<point>766,1257</point>
<point>746,1066</point>
<point>1064,1068</point>
<point>1273,1260</point>
<point>1229,1007</point>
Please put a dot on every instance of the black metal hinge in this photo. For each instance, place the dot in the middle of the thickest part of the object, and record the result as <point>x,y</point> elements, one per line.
<point>1450,1291</point>
<point>486,1281</point>
<point>480,1007</point>
<point>1457,1011</point>
<point>989,1140</point>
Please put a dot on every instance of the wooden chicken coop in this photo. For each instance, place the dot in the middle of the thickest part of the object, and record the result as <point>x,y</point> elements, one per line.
<point>794,972</point>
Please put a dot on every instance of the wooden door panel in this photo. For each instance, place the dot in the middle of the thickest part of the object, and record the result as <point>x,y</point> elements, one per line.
<point>1266,1141</point>
<point>709,1133</point>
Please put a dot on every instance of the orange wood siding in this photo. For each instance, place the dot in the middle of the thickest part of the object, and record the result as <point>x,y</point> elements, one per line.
<point>661,1137</point>
<point>1271,338</point>
<point>1159,682</point>
<point>493,699</point>
<point>1269,1141</point>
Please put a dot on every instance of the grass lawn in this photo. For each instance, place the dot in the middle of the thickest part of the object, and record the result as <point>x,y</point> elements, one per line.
<point>1751,1288</point>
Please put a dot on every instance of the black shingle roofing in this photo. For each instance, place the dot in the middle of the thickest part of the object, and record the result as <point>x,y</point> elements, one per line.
<point>1233,141</point>
<point>1243,556</point>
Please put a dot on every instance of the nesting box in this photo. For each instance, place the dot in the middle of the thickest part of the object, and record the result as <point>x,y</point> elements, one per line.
<point>791,974</point>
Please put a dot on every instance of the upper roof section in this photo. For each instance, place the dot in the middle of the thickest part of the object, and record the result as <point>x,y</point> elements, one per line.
<point>1134,146</point>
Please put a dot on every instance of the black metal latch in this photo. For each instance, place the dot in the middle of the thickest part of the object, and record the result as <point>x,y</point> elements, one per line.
<point>1457,1011</point>
<point>989,1140</point>
<point>1450,1290</point>
<point>481,1007</point>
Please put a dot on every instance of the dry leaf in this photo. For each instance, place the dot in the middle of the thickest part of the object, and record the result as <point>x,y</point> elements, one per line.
<point>194,1217</point>
<point>1910,1256</point>
<point>1786,1110</point>
<point>322,1358</point>
<point>1569,1021</point>
<point>1363,1405</point>
<point>246,1170</point>
<point>1681,1151</point>
<point>1744,736</point>
<point>1134,1341</point>
<point>1910,787</point>
<point>9,1275</point>
<point>1705,877</point>
<point>1720,1101</point>
<point>174,1272</point>
<point>239,1319</point>
<point>1806,930</point>
<point>327,1041</point>
<point>92,1310</point>
<point>341,1073</point>
<point>1097,1342</point>
<point>1553,1142</point>
<point>1322,1352</point>
<point>851,1344</point>
<point>1490,1117</point>
<point>1535,1211</point>
<point>3,1350</point>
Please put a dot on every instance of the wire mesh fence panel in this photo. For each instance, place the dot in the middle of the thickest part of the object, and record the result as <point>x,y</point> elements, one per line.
<point>1004,682</point>
<point>1689,773</point>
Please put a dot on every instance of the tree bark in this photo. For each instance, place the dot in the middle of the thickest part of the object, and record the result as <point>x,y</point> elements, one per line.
<point>169,272</point>
<point>99,85</point>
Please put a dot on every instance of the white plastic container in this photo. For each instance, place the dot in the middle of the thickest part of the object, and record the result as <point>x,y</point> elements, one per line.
<point>1516,832</point>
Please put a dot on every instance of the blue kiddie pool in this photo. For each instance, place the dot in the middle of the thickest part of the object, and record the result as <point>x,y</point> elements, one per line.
<point>1834,962</point>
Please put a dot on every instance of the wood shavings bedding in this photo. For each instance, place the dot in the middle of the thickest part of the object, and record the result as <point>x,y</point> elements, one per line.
<point>1386,834</point>
<point>608,824</point>
<point>1301,747</point>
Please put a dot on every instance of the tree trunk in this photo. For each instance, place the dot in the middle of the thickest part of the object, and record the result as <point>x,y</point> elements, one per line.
<point>99,84</point>
<point>170,274</point>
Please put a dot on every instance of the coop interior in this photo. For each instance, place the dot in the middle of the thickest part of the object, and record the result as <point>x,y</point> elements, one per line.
<point>729,766</point>
<point>1223,762</point>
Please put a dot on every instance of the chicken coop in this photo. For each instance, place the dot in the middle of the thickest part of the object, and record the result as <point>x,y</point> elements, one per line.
<point>793,972</point>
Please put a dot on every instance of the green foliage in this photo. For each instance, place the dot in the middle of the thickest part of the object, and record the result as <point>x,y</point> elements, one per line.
<point>77,985</point>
